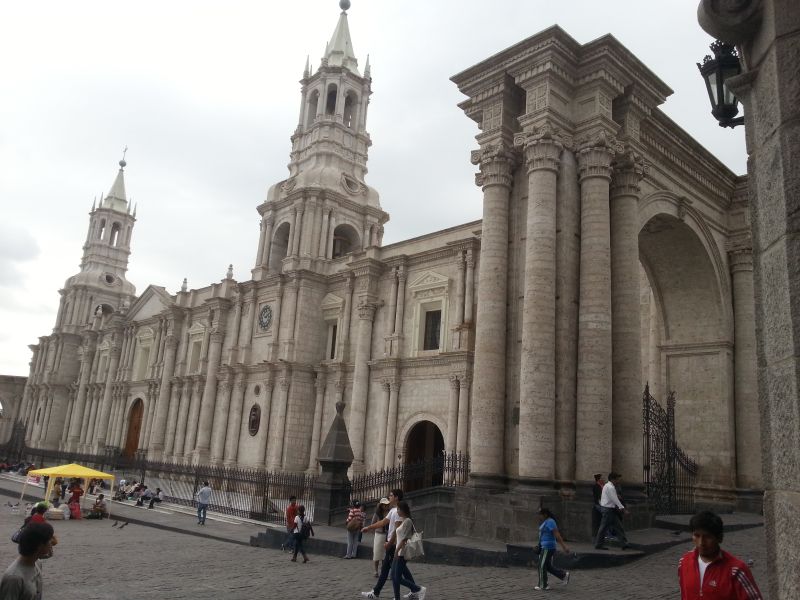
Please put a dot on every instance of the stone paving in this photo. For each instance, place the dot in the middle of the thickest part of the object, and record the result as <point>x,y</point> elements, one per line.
<point>98,561</point>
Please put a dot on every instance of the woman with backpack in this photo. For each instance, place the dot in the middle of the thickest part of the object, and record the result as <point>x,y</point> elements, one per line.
<point>302,531</point>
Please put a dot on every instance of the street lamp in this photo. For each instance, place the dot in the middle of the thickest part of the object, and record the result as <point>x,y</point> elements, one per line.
<point>716,72</point>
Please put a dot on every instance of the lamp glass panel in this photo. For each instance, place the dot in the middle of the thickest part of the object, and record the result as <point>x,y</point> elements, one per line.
<point>711,84</point>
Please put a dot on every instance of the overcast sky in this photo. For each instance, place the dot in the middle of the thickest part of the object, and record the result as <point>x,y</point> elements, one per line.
<point>206,94</point>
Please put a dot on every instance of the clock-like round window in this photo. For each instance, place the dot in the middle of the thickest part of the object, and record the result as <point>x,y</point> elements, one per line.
<point>254,420</point>
<point>265,317</point>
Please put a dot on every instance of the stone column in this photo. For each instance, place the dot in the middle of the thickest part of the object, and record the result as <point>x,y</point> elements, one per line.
<point>452,415</point>
<point>269,224</point>
<point>400,311</point>
<point>74,437</point>
<point>277,423</point>
<point>206,419</point>
<point>105,411</point>
<point>332,228</point>
<point>261,455</point>
<point>323,242</point>
<point>358,405</point>
<point>234,420</point>
<point>459,316</point>
<point>261,238</point>
<point>193,421</point>
<point>292,232</point>
<point>489,397</point>
<point>220,424</point>
<point>348,311</point>
<point>289,308</point>
<point>593,429</point>
<point>462,439</point>
<point>298,224</point>
<point>626,330</point>
<point>163,405</point>
<point>183,417</point>
<point>319,402</point>
<point>537,380</point>
<point>391,424</point>
<point>390,314</point>
<point>567,267</point>
<point>172,419</point>
<point>745,390</point>
<point>383,425</point>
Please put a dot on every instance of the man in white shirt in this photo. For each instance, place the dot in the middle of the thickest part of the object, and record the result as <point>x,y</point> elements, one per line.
<point>203,497</point>
<point>609,505</point>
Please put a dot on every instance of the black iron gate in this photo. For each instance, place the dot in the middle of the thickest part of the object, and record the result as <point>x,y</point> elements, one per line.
<point>669,473</point>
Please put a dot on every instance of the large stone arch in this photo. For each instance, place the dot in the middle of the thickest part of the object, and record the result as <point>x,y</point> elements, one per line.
<point>687,346</point>
<point>408,425</point>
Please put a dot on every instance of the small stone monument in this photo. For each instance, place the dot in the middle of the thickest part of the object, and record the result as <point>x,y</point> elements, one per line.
<point>332,490</point>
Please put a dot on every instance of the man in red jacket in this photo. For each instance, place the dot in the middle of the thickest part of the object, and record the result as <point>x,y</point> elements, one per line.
<point>291,513</point>
<point>710,573</point>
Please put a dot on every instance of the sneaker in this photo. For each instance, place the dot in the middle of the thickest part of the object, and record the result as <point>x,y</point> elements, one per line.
<point>565,581</point>
<point>370,594</point>
<point>539,589</point>
<point>421,592</point>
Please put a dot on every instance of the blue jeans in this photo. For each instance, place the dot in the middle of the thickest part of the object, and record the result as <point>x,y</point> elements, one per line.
<point>352,544</point>
<point>201,513</point>
<point>402,576</point>
<point>298,546</point>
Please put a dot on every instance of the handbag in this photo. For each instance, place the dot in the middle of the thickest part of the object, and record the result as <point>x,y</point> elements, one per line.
<point>354,524</point>
<point>413,548</point>
<point>16,535</point>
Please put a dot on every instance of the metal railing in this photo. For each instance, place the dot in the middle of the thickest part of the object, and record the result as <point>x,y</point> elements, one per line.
<point>669,474</point>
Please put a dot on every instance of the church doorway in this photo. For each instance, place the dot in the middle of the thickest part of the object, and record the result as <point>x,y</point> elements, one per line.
<point>424,453</point>
<point>134,429</point>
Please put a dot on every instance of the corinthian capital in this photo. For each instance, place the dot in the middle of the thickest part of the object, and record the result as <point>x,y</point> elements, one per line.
<point>496,163</point>
<point>366,310</point>
<point>595,154</point>
<point>628,170</point>
<point>542,148</point>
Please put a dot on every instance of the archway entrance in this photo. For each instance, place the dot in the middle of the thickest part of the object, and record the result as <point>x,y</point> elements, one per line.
<point>134,428</point>
<point>423,456</point>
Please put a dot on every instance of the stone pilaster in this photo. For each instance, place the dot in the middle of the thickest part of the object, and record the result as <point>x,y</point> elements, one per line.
<point>208,400</point>
<point>358,405</point>
<point>320,384</point>
<point>269,224</point>
<point>194,417</point>
<point>593,429</point>
<point>238,388</point>
<point>400,310</point>
<point>452,415</point>
<point>80,400</point>
<point>537,362</point>
<point>219,427</point>
<point>163,405</point>
<point>489,397</point>
<point>391,423</point>
<point>266,412</point>
<point>278,425</point>
<point>105,407</point>
<point>172,419</point>
<point>462,437</point>
<point>183,417</point>
<point>745,385</point>
<point>386,399</point>
<point>628,171</point>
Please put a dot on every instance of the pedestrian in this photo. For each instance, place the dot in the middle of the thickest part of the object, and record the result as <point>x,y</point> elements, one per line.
<point>302,529</point>
<point>37,516</point>
<point>22,580</point>
<point>354,523</point>
<point>203,497</point>
<point>609,504</point>
<point>291,513</point>
<point>379,539</point>
<point>391,522</point>
<point>157,497</point>
<point>548,535</point>
<point>597,492</point>
<point>710,573</point>
<point>400,573</point>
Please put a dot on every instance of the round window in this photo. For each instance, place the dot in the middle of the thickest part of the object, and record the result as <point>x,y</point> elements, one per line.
<point>257,390</point>
<point>254,420</point>
<point>109,278</point>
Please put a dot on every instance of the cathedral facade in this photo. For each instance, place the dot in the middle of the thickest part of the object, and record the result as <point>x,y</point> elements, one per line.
<point>613,251</point>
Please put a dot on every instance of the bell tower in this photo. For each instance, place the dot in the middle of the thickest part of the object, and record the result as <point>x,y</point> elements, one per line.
<point>101,281</point>
<point>324,209</point>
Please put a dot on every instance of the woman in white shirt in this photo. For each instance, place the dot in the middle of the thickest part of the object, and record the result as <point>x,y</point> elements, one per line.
<point>400,573</point>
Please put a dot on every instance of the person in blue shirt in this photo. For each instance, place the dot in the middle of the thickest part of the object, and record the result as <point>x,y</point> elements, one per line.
<point>548,535</point>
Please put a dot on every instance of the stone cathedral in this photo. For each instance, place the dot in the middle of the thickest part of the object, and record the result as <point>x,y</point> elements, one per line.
<point>613,251</point>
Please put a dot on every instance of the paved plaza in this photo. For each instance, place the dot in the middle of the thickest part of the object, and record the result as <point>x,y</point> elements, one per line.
<point>97,561</point>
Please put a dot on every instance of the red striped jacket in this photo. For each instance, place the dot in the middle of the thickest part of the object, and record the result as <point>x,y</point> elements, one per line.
<point>726,578</point>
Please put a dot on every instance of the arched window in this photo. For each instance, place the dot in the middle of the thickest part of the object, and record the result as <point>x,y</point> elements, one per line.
<point>313,105</point>
<point>280,246</point>
<point>350,103</point>
<point>101,230</point>
<point>345,240</point>
<point>330,102</point>
<point>114,234</point>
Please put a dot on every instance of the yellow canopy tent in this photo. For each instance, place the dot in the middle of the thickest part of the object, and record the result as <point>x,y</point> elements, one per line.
<point>70,471</point>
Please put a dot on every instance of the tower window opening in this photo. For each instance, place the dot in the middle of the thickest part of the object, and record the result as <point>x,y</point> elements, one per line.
<point>313,106</point>
<point>101,230</point>
<point>349,110</point>
<point>345,241</point>
<point>330,103</point>
<point>280,246</point>
<point>115,228</point>
<point>433,326</point>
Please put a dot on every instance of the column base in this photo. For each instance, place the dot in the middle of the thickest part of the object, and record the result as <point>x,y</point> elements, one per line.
<point>533,485</point>
<point>486,481</point>
<point>200,456</point>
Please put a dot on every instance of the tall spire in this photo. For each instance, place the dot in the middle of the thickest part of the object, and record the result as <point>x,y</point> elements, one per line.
<point>339,51</point>
<point>116,198</point>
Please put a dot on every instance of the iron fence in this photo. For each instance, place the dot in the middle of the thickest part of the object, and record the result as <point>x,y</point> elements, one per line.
<point>447,469</point>
<point>669,474</point>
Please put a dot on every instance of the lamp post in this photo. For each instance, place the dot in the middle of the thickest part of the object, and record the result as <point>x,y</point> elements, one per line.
<point>716,72</point>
